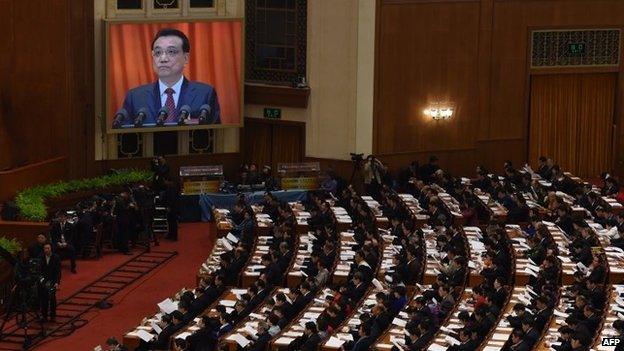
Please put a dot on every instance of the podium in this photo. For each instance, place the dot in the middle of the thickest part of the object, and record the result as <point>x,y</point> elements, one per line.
<point>300,176</point>
<point>201,179</point>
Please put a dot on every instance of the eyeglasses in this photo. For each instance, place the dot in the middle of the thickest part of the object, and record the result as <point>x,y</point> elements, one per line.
<point>169,52</point>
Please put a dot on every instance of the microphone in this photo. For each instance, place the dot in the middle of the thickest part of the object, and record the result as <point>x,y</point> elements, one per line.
<point>185,113</point>
<point>162,115</point>
<point>120,116</point>
<point>204,112</point>
<point>141,114</point>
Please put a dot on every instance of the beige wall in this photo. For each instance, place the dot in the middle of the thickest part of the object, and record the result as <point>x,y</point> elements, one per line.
<point>340,74</point>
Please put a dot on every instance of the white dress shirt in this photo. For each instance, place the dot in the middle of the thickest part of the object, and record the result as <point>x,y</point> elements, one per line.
<point>176,91</point>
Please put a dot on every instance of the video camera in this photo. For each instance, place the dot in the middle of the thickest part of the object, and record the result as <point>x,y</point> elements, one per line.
<point>357,157</point>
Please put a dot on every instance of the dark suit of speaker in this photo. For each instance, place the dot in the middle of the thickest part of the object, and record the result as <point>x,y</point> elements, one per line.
<point>193,94</point>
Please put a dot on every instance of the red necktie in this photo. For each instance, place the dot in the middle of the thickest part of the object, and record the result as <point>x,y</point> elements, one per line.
<point>171,105</point>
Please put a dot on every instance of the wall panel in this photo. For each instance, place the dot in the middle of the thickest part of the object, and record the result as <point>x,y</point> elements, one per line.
<point>475,54</point>
<point>427,53</point>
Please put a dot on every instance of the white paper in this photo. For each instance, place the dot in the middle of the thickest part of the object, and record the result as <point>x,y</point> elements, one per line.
<point>156,327</point>
<point>168,306</point>
<point>334,342</point>
<point>227,303</point>
<point>145,336</point>
<point>183,335</point>
<point>232,238</point>
<point>399,322</point>
<point>241,340</point>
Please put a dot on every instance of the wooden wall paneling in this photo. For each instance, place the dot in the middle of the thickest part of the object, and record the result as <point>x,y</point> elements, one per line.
<point>493,153</point>
<point>39,89</point>
<point>427,53</point>
<point>288,143</point>
<point>16,179</point>
<point>81,89</point>
<point>257,141</point>
<point>6,46</point>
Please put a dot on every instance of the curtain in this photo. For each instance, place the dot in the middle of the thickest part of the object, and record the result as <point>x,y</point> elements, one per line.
<point>215,58</point>
<point>572,121</point>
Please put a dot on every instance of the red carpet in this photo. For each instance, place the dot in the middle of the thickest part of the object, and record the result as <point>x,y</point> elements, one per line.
<point>137,300</point>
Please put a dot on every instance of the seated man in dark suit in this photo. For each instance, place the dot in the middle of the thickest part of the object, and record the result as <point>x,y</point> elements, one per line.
<point>517,343</point>
<point>170,324</point>
<point>365,341</point>
<point>261,339</point>
<point>466,342</point>
<point>60,240</point>
<point>170,52</point>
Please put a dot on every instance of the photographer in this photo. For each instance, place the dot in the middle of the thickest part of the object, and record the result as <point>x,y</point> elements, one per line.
<point>51,278</point>
<point>374,172</point>
<point>161,173</point>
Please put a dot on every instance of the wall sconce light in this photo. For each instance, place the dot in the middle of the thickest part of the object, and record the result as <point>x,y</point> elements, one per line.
<point>439,112</point>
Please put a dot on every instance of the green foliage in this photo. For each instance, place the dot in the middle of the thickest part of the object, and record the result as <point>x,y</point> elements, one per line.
<point>11,245</point>
<point>31,201</point>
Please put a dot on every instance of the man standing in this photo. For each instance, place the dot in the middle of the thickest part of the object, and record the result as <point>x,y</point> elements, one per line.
<point>51,272</point>
<point>170,54</point>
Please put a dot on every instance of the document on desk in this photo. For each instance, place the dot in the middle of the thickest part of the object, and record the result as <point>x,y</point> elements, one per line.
<point>227,303</point>
<point>145,336</point>
<point>232,238</point>
<point>377,284</point>
<point>240,340</point>
<point>168,306</point>
<point>183,335</point>
<point>156,328</point>
<point>284,340</point>
<point>436,347</point>
<point>399,322</point>
<point>334,342</point>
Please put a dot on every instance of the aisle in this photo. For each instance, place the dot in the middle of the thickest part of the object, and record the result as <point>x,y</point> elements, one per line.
<point>139,299</point>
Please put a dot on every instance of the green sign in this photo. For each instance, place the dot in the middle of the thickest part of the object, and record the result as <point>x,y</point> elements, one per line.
<point>270,112</point>
<point>577,49</point>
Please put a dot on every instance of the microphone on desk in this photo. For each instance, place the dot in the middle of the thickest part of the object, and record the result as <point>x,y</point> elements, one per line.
<point>163,113</point>
<point>120,116</point>
<point>185,113</point>
<point>204,113</point>
<point>141,114</point>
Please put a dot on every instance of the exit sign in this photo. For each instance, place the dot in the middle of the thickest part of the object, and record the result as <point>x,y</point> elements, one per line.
<point>577,49</point>
<point>272,113</point>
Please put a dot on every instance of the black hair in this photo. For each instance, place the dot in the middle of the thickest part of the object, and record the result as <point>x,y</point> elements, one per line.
<point>166,32</point>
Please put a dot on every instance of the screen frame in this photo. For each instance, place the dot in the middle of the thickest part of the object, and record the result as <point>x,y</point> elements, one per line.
<point>106,60</point>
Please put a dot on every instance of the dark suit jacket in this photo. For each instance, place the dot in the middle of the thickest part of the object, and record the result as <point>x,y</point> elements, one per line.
<point>312,343</point>
<point>363,344</point>
<point>162,342</point>
<point>51,271</point>
<point>262,343</point>
<point>194,94</point>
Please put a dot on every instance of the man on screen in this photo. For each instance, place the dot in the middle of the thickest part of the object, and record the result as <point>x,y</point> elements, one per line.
<point>170,54</point>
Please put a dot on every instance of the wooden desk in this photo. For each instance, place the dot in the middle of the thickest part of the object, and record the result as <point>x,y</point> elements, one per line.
<point>251,322</point>
<point>295,329</point>
<point>341,273</point>
<point>611,315</point>
<point>396,331</point>
<point>453,323</point>
<point>551,334</point>
<point>343,332</point>
<point>251,272</point>
<point>503,330</point>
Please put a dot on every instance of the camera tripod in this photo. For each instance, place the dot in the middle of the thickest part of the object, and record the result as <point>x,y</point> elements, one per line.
<point>18,306</point>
